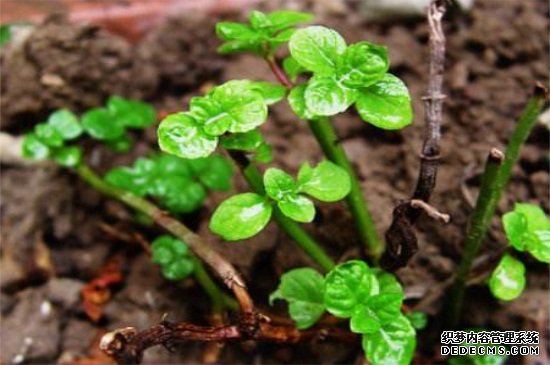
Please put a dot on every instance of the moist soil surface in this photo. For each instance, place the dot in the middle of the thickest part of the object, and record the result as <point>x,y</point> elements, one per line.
<point>58,234</point>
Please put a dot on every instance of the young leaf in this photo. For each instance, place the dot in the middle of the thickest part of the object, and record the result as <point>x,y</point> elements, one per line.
<point>348,286</point>
<point>179,195</point>
<point>215,174</point>
<point>129,179</point>
<point>264,153</point>
<point>241,216</point>
<point>362,64</point>
<point>327,181</point>
<point>392,344</point>
<point>48,135</point>
<point>258,19</point>
<point>515,227</point>
<point>131,113</point>
<point>173,256</point>
<point>180,135</point>
<point>326,96</point>
<point>317,49</point>
<point>528,228</point>
<point>99,124</point>
<point>278,184</point>
<point>271,92</point>
<point>65,123</point>
<point>245,105</point>
<point>386,104</point>
<point>297,207</point>
<point>283,19</point>
<point>535,216</point>
<point>68,156</point>
<point>292,68</point>
<point>248,141</point>
<point>539,246</point>
<point>34,148</point>
<point>418,320</point>
<point>297,102</point>
<point>230,31</point>
<point>508,279</point>
<point>303,290</point>
<point>121,144</point>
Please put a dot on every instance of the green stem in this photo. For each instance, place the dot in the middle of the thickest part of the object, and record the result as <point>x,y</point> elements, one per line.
<point>495,177</point>
<point>302,238</point>
<point>326,136</point>
<point>224,269</point>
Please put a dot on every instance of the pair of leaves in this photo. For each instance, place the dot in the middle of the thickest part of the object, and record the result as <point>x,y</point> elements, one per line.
<point>262,35</point>
<point>48,139</point>
<point>244,215</point>
<point>238,106</point>
<point>343,75</point>
<point>326,182</point>
<point>371,298</point>
<point>179,185</point>
<point>110,123</point>
<point>173,256</point>
<point>528,229</point>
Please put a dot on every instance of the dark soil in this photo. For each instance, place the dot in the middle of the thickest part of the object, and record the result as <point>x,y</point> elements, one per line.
<point>53,225</point>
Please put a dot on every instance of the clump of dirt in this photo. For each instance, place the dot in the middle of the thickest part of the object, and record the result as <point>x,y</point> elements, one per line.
<point>60,64</point>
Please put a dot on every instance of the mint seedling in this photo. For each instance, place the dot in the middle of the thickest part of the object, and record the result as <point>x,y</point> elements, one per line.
<point>528,230</point>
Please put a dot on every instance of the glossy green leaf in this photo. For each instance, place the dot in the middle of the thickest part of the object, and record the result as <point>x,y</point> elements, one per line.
<point>292,68</point>
<point>508,279</point>
<point>297,101</point>
<point>278,184</point>
<point>281,38</point>
<point>131,113</point>
<point>317,49</point>
<point>99,124</point>
<point>297,207</point>
<point>240,46</point>
<point>234,31</point>
<point>179,196</point>
<point>392,344</point>
<point>528,228</point>
<point>388,282</point>
<point>327,181</point>
<point>418,320</point>
<point>128,179</point>
<point>180,135</point>
<point>68,156</point>
<point>515,226</point>
<point>539,246</point>
<point>535,216</point>
<point>258,19</point>
<point>348,286</point>
<point>48,135</point>
<point>386,104</point>
<point>362,64</point>
<point>210,115</point>
<point>245,105</point>
<point>375,312</point>
<point>264,153</point>
<point>326,96</point>
<point>284,18</point>
<point>241,216</point>
<point>248,141</point>
<point>272,93</point>
<point>303,290</point>
<point>173,256</point>
<point>66,123</point>
<point>33,148</point>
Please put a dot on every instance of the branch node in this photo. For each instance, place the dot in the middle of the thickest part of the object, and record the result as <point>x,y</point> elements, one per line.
<point>430,211</point>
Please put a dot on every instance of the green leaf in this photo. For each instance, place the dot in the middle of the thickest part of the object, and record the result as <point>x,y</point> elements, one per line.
<point>210,115</point>
<point>535,216</point>
<point>272,93</point>
<point>283,19</point>
<point>48,135</point>
<point>248,141</point>
<point>230,31</point>
<point>121,144</point>
<point>377,311</point>
<point>33,148</point>
<point>242,103</point>
<point>393,344</point>
<point>317,49</point>
<point>241,216</point>
<point>292,68</point>
<point>173,256</point>
<point>131,113</point>
<point>363,64</point>
<point>327,181</point>
<point>5,34</point>
<point>181,196</point>
<point>68,156</point>
<point>515,226</point>
<point>386,104</point>
<point>303,290</point>
<point>528,228</point>
<point>297,207</point>
<point>264,153</point>
<point>218,174</point>
<point>539,247</point>
<point>240,46</point>
<point>388,282</point>
<point>326,96</point>
<point>348,287</point>
<point>278,184</point>
<point>99,124</point>
<point>508,279</point>
<point>297,101</point>
<point>180,135</point>
<point>66,123</point>
<point>418,320</point>
<point>129,179</point>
